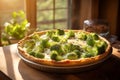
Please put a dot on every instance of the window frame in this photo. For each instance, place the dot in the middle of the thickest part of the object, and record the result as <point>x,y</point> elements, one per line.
<point>31,8</point>
<point>31,13</point>
<point>76,11</point>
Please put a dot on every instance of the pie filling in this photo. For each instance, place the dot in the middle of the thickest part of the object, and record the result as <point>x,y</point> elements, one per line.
<point>60,45</point>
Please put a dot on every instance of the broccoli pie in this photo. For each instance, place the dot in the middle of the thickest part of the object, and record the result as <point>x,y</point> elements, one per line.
<point>64,47</point>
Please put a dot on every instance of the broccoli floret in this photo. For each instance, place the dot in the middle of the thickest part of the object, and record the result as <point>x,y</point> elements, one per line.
<point>82,36</point>
<point>38,48</point>
<point>55,56</point>
<point>57,47</point>
<point>98,48</point>
<point>95,51</point>
<point>101,46</point>
<point>35,36</point>
<point>78,53</point>
<point>90,41</point>
<point>63,40</point>
<point>75,47</point>
<point>70,34</point>
<point>39,55</point>
<point>87,55</point>
<point>72,56</point>
<point>104,44</point>
<point>29,45</point>
<point>51,43</point>
<point>60,32</point>
<point>55,38</point>
<point>32,53</point>
<point>67,47</point>
<point>95,36</point>
<point>50,33</point>
<point>44,43</point>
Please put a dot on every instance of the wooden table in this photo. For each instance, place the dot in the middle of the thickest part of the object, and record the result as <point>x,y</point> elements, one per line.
<point>13,68</point>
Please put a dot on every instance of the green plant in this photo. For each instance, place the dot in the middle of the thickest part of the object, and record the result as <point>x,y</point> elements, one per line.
<point>16,28</point>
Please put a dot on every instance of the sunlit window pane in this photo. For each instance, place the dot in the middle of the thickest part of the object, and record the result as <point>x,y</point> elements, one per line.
<point>45,26</point>
<point>61,14</point>
<point>44,4</point>
<point>44,16</point>
<point>61,25</point>
<point>61,3</point>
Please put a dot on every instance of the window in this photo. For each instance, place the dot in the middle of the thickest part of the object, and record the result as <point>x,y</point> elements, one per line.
<point>53,14</point>
<point>49,14</point>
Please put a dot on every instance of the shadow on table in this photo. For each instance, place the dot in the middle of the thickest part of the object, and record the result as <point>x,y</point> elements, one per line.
<point>3,76</point>
<point>108,70</point>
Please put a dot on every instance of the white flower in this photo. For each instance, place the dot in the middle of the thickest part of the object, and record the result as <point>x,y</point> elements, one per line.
<point>28,24</point>
<point>6,24</point>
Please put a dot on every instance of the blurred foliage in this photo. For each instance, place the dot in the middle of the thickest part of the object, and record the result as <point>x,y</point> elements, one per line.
<point>16,28</point>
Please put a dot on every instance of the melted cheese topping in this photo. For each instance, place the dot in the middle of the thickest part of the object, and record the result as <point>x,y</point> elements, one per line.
<point>77,42</point>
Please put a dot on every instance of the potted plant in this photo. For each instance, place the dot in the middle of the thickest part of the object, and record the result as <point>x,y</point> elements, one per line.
<point>16,28</point>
